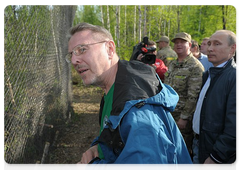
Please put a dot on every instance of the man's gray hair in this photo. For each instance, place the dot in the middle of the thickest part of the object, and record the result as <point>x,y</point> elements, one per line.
<point>98,31</point>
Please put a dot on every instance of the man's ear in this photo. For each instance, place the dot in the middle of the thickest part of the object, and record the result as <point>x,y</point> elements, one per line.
<point>233,49</point>
<point>190,44</point>
<point>111,48</point>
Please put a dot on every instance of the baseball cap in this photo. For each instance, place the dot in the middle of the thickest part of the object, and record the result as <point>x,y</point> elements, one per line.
<point>163,38</point>
<point>182,35</point>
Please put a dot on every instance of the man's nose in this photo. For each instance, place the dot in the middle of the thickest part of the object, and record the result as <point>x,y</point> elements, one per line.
<point>76,59</point>
<point>209,48</point>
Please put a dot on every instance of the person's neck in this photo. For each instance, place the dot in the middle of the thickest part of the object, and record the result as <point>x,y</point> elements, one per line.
<point>164,46</point>
<point>110,75</point>
<point>198,55</point>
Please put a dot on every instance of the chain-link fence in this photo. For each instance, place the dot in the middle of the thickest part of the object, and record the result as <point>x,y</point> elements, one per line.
<point>37,80</point>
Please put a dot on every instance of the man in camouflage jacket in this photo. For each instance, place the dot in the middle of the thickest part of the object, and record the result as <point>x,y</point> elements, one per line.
<point>166,54</point>
<point>185,76</point>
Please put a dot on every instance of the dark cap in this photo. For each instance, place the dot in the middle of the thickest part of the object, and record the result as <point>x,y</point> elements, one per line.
<point>164,39</point>
<point>182,35</point>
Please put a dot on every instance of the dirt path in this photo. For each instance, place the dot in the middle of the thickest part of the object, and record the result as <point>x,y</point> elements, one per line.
<point>77,136</point>
<point>74,139</point>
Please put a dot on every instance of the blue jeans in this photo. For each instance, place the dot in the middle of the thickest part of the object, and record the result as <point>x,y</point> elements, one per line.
<point>195,150</point>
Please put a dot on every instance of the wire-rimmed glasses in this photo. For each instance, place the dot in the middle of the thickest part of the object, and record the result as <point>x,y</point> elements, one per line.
<point>78,50</point>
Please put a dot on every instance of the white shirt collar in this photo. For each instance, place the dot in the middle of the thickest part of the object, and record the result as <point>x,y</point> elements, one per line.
<point>223,64</point>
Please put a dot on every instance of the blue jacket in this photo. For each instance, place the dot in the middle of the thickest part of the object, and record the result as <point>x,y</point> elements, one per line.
<point>141,130</point>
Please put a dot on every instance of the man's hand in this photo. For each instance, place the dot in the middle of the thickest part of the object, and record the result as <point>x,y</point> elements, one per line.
<point>209,164</point>
<point>139,57</point>
<point>182,123</point>
<point>87,156</point>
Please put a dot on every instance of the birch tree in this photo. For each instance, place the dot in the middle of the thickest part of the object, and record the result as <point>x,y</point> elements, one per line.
<point>125,23</point>
<point>108,19</point>
<point>145,21</point>
<point>139,24</point>
<point>102,19</point>
<point>134,23</point>
<point>118,25</point>
<point>129,25</point>
<point>178,19</point>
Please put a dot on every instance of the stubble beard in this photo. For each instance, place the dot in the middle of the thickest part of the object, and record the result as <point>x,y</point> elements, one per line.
<point>94,81</point>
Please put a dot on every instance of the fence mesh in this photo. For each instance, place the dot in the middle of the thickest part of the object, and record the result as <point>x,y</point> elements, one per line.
<point>37,80</point>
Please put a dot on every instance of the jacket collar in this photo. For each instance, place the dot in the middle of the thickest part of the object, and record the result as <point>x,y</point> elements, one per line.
<point>146,89</point>
<point>134,80</point>
<point>215,71</point>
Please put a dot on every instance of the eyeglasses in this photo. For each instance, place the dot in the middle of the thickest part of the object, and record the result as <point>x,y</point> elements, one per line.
<point>78,50</point>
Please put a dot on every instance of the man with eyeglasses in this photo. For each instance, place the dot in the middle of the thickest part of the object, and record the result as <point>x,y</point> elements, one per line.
<point>136,124</point>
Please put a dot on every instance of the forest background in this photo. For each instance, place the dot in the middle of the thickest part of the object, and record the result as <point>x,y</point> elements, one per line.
<point>36,44</point>
<point>128,24</point>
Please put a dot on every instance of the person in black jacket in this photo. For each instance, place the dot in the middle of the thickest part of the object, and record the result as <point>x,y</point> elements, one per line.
<point>214,122</point>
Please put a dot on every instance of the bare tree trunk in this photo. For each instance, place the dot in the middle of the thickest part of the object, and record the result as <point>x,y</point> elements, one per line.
<point>200,16</point>
<point>226,13</point>
<point>223,17</point>
<point>125,24</point>
<point>102,20</point>
<point>169,21</point>
<point>140,24</point>
<point>149,26</point>
<point>178,18</point>
<point>56,47</point>
<point>145,21</point>
<point>164,27</point>
<point>118,25</point>
<point>134,24</point>
<point>108,20</point>
<point>159,28</point>
<point>169,26</point>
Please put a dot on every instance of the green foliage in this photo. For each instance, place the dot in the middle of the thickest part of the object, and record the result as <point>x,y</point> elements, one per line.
<point>199,20</point>
<point>87,13</point>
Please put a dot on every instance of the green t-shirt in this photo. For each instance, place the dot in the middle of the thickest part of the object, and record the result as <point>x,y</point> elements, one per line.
<point>107,108</point>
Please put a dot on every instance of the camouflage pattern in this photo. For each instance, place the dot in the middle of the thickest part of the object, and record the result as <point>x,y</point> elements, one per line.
<point>186,79</point>
<point>167,55</point>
